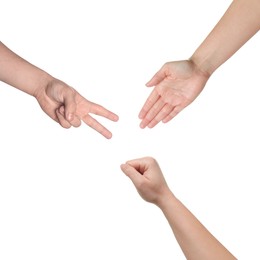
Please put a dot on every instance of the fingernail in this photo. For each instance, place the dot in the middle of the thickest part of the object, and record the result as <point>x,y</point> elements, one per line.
<point>70,117</point>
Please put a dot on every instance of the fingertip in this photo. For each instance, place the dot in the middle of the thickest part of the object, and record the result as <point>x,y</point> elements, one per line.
<point>142,125</point>
<point>122,166</point>
<point>113,117</point>
<point>125,168</point>
<point>165,121</point>
<point>66,126</point>
<point>109,136</point>
<point>141,115</point>
<point>69,116</point>
<point>116,118</point>
<point>70,105</point>
<point>150,82</point>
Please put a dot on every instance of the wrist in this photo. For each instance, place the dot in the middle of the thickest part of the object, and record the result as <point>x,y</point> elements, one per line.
<point>203,66</point>
<point>44,81</point>
<point>164,199</point>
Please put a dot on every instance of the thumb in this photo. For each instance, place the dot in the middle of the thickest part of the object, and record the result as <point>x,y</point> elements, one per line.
<point>157,78</point>
<point>70,106</point>
<point>132,173</point>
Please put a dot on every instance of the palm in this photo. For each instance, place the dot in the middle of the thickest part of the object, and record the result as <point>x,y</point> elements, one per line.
<point>177,84</point>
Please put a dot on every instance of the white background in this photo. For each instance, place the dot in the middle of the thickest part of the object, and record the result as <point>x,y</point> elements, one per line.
<point>62,193</point>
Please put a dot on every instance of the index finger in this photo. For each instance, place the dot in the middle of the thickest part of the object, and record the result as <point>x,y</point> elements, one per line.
<point>102,111</point>
<point>151,100</point>
<point>141,164</point>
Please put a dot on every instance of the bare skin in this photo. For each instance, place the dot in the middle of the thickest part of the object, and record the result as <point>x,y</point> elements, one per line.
<point>58,100</point>
<point>177,84</point>
<point>196,242</point>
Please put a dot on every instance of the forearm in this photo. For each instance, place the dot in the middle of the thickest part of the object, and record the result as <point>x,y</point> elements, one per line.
<point>17,72</point>
<point>239,23</point>
<point>194,239</point>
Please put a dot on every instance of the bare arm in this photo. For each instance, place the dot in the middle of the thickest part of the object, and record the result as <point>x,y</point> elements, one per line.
<point>196,242</point>
<point>57,99</point>
<point>240,22</point>
<point>178,83</point>
<point>19,73</point>
<point>194,239</point>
